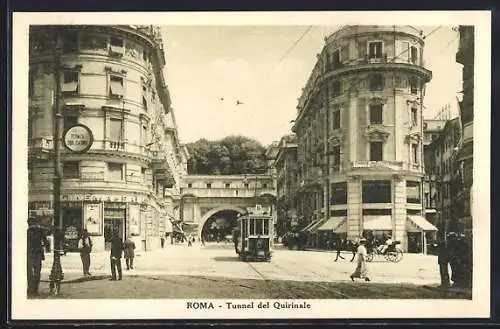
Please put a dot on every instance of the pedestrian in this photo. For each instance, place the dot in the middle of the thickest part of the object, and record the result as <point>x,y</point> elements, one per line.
<point>443,261</point>
<point>116,255</point>
<point>128,252</point>
<point>162,239</point>
<point>190,240</point>
<point>361,270</point>
<point>36,242</point>
<point>202,241</point>
<point>85,248</point>
<point>339,243</point>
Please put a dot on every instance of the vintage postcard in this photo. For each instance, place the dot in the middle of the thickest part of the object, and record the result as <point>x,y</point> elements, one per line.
<point>251,165</point>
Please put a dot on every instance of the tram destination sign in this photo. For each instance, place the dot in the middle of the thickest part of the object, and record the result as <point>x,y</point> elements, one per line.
<point>78,138</point>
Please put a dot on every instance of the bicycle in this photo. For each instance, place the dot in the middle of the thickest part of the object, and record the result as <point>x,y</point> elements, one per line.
<point>392,253</point>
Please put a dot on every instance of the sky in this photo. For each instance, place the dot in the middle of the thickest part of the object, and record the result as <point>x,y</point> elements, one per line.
<point>260,67</point>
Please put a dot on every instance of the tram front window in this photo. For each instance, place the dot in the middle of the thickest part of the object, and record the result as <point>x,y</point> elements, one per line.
<point>266,226</point>
<point>259,226</point>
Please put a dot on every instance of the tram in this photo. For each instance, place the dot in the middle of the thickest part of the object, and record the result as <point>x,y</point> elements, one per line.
<point>253,236</point>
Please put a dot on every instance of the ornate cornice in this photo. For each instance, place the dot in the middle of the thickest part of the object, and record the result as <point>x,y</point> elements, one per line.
<point>376,134</point>
<point>413,137</point>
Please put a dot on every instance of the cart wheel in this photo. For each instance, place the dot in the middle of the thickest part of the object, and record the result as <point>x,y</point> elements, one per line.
<point>398,255</point>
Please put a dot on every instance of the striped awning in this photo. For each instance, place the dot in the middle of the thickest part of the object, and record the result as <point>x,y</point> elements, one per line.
<point>305,229</point>
<point>377,223</point>
<point>313,228</point>
<point>422,223</point>
<point>332,224</point>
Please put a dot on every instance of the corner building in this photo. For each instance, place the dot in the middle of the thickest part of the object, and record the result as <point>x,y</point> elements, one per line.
<point>109,78</point>
<point>360,137</point>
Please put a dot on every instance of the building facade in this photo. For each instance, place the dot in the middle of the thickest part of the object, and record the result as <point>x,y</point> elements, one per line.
<point>108,78</point>
<point>440,160</point>
<point>359,128</point>
<point>286,184</point>
<point>464,163</point>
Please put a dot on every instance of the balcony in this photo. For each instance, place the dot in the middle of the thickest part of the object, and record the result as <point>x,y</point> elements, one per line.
<point>227,192</point>
<point>386,165</point>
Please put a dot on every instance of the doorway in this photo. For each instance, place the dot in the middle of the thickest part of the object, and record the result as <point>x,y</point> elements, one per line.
<point>415,242</point>
<point>114,219</point>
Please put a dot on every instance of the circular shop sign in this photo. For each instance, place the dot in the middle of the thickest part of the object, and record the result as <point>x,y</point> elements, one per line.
<point>78,138</point>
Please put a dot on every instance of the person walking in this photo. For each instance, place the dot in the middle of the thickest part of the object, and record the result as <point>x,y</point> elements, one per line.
<point>85,248</point>
<point>162,239</point>
<point>361,270</point>
<point>35,254</point>
<point>128,252</point>
<point>339,243</point>
<point>443,261</point>
<point>116,255</point>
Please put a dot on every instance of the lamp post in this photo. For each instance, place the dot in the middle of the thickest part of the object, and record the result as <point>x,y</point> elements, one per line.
<point>56,274</point>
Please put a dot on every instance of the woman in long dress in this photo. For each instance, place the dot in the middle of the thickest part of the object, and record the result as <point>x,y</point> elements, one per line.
<point>361,270</point>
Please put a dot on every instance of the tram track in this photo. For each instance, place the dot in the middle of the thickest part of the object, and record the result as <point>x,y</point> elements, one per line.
<point>286,271</point>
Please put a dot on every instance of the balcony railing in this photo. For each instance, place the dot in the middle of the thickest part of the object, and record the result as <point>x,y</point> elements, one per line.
<point>228,192</point>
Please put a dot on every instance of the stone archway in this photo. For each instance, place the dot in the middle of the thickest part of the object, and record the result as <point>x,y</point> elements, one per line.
<point>214,211</point>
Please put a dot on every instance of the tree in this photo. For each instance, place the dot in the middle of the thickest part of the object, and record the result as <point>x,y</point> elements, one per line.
<point>231,155</point>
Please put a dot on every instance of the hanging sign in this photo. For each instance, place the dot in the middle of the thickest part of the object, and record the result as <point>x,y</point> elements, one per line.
<point>78,138</point>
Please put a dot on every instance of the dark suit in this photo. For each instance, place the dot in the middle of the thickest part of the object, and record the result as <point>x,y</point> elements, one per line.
<point>115,257</point>
<point>35,243</point>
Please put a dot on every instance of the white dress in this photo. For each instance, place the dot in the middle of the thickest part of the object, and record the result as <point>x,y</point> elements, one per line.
<point>361,271</point>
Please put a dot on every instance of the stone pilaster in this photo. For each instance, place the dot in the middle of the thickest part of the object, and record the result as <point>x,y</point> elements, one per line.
<point>354,228</point>
<point>399,211</point>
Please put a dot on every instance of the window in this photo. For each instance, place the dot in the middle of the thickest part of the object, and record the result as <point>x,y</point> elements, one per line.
<point>71,169</point>
<point>116,86</point>
<point>70,43</point>
<point>246,185</point>
<point>115,129</point>
<point>228,185</point>
<point>336,158</point>
<point>116,45</point>
<point>144,104</point>
<point>264,185</point>
<point>376,82</point>
<point>336,88</point>
<point>70,82</point>
<point>190,185</point>
<point>336,58</point>
<point>145,140</point>
<point>376,151</point>
<point>376,114</point>
<point>143,174</point>
<point>115,171</point>
<point>145,56</point>
<point>413,55</point>
<point>69,121</point>
<point>338,213</point>
<point>414,148</point>
<point>376,191</point>
<point>335,119</point>
<point>413,85</point>
<point>209,185</point>
<point>412,192</point>
<point>31,83</point>
<point>375,49</point>
<point>338,193</point>
<point>377,212</point>
<point>414,116</point>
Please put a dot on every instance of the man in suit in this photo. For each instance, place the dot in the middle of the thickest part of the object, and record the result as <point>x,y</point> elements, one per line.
<point>116,255</point>
<point>36,241</point>
<point>339,244</point>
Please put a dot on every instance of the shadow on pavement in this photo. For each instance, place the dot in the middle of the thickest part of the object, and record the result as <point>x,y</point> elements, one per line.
<point>226,259</point>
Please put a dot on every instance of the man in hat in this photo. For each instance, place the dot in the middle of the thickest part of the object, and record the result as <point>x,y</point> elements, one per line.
<point>361,270</point>
<point>36,240</point>
<point>85,248</point>
<point>116,255</point>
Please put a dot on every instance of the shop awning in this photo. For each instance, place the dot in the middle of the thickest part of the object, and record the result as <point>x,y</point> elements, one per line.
<point>316,224</point>
<point>377,223</point>
<point>332,224</point>
<point>422,223</point>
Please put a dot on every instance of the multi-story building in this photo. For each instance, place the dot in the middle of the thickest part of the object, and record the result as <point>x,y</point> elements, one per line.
<point>432,131</point>
<point>360,136</point>
<point>464,164</point>
<point>286,169</point>
<point>109,79</point>
<point>440,156</point>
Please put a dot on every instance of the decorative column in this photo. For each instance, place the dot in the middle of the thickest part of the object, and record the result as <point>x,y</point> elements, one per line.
<point>399,211</point>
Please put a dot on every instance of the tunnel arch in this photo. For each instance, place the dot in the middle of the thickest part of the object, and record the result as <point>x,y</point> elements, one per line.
<point>214,211</point>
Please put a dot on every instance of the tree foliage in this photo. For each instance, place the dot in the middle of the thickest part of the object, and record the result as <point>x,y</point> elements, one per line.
<point>232,155</point>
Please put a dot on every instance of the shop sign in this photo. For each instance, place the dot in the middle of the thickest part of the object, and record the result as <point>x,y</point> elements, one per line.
<point>71,233</point>
<point>93,218</point>
<point>78,138</point>
<point>71,204</point>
